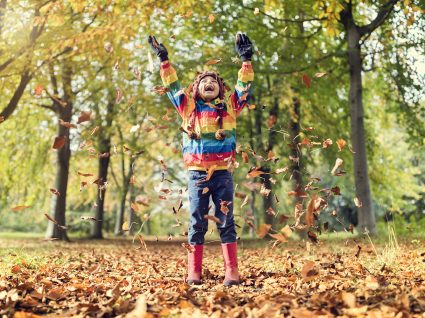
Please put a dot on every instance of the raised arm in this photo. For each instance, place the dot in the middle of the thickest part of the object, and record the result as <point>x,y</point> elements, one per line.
<point>242,91</point>
<point>169,77</point>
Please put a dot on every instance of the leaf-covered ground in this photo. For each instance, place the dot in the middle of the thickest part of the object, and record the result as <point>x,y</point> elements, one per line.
<point>113,278</point>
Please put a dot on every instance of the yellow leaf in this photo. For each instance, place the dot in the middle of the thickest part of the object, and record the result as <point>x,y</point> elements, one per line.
<point>211,18</point>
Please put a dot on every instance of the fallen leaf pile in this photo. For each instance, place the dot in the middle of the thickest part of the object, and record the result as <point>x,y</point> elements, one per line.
<point>146,279</point>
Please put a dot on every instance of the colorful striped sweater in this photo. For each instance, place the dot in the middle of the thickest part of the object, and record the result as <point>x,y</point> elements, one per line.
<point>207,152</point>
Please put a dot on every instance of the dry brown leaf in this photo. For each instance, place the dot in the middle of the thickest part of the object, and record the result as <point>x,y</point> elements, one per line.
<point>59,142</point>
<point>357,202</point>
<point>341,144</point>
<point>211,18</point>
<point>205,190</point>
<point>338,163</point>
<point>327,143</point>
<point>245,158</point>
<point>212,218</point>
<point>84,116</point>
<point>210,172</point>
<point>67,124</point>
<point>20,208</point>
<point>55,191</point>
<point>306,80</point>
<point>213,61</point>
<point>309,271</point>
<point>263,230</point>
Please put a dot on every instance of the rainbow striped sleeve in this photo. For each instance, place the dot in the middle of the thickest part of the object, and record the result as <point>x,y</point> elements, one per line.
<point>243,90</point>
<point>170,80</point>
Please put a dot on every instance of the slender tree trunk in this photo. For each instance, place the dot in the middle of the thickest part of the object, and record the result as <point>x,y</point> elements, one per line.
<point>63,158</point>
<point>104,158</point>
<point>366,215</point>
<point>101,190</point>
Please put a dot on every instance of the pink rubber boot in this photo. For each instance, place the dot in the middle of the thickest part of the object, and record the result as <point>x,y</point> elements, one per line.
<point>194,265</point>
<point>230,263</point>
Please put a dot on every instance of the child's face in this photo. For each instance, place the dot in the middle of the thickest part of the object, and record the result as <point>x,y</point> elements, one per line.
<point>208,88</point>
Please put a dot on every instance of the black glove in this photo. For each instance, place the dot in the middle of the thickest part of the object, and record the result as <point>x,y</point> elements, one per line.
<point>243,46</point>
<point>158,48</point>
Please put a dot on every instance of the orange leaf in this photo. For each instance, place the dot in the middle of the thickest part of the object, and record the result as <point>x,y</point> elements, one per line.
<point>211,18</point>
<point>213,61</point>
<point>59,142</point>
<point>341,144</point>
<point>84,116</point>
<point>309,272</point>
<point>20,207</point>
<point>306,80</point>
<point>263,230</point>
<point>212,218</point>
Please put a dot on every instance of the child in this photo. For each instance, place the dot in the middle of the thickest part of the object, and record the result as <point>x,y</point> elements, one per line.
<point>209,144</point>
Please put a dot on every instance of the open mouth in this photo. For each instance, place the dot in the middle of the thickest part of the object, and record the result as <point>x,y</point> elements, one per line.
<point>209,88</point>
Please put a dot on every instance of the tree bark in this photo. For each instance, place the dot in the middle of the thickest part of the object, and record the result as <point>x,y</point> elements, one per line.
<point>63,158</point>
<point>366,215</point>
<point>104,146</point>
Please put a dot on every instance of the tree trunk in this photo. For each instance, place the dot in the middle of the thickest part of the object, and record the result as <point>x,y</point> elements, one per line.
<point>63,158</point>
<point>366,215</point>
<point>105,145</point>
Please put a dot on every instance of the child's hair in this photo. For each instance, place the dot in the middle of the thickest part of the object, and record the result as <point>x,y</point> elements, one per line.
<point>220,81</point>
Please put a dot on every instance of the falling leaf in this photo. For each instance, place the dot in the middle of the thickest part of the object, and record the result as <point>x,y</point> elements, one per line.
<point>320,74</point>
<point>20,208</point>
<point>256,11</point>
<point>357,202</point>
<point>1,119</point>
<point>255,173</point>
<point>38,90</point>
<point>327,143</point>
<point>312,236</point>
<point>270,211</point>
<point>160,90</point>
<point>244,157</point>
<point>67,124</point>
<point>55,191</point>
<point>309,271</point>
<point>264,191</point>
<point>338,163</point>
<point>245,201</point>
<point>205,190</point>
<point>271,121</point>
<point>59,142</point>
<point>108,47</point>
<point>119,95</point>
<point>212,218</point>
<point>224,206</point>
<point>54,221</point>
<point>125,226</point>
<point>151,66</point>
<point>88,218</point>
<point>213,61</point>
<point>84,116</point>
<point>188,247</point>
<point>280,170</point>
<point>211,18</point>
<point>286,230</point>
<point>336,191</point>
<point>85,174</point>
<point>310,211</point>
<point>210,172</point>
<point>263,230</point>
<point>95,129</point>
<point>341,144</point>
<point>306,80</point>
<point>279,237</point>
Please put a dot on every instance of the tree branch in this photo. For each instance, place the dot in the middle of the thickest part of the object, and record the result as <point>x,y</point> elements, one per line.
<point>382,15</point>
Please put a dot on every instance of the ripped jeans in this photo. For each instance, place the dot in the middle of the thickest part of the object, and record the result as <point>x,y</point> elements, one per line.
<point>220,188</point>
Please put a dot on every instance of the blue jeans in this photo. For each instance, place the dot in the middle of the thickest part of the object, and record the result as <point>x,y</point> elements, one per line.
<point>220,189</point>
